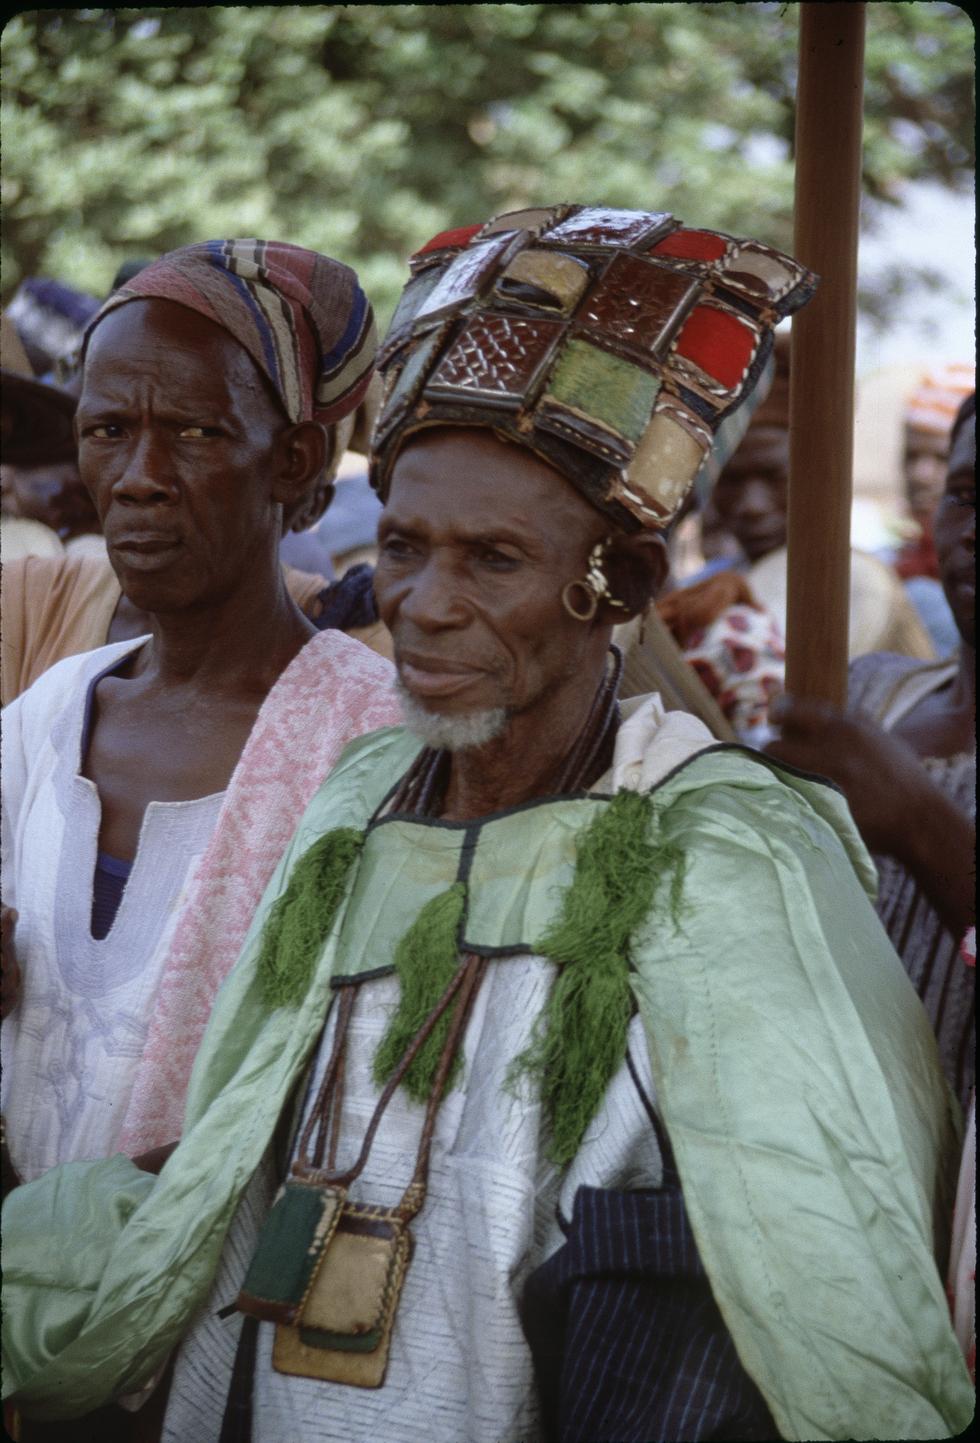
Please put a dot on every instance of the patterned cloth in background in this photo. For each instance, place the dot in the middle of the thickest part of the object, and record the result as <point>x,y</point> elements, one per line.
<point>741,659</point>
<point>302,317</point>
<point>886,688</point>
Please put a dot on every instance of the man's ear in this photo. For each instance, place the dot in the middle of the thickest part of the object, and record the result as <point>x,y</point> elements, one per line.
<point>636,568</point>
<point>301,453</point>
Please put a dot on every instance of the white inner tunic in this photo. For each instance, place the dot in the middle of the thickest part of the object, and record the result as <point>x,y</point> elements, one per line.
<point>460,1369</point>
<point>72,1045</point>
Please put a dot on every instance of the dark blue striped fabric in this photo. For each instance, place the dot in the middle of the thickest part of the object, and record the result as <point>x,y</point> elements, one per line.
<point>627,1340</point>
<point>108,884</point>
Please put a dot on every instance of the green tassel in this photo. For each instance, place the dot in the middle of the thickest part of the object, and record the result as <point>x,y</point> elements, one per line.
<point>300,920</point>
<point>580,1039</point>
<point>425,959</point>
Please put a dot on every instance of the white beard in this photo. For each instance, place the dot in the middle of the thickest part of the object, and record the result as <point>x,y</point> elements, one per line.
<point>451,733</point>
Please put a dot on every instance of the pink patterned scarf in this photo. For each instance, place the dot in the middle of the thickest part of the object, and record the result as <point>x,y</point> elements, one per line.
<point>333,691</point>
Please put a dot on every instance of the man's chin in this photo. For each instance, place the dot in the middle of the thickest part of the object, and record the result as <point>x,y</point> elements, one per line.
<point>451,731</point>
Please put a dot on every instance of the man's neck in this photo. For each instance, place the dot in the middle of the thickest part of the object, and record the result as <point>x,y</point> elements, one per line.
<point>526,761</point>
<point>240,644</point>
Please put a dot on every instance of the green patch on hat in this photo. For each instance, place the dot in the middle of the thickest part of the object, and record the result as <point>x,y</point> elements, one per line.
<point>615,392</point>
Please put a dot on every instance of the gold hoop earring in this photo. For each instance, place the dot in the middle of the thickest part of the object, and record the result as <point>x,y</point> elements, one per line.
<point>593,604</point>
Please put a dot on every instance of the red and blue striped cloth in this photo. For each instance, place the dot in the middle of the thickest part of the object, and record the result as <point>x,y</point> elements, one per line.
<point>302,317</point>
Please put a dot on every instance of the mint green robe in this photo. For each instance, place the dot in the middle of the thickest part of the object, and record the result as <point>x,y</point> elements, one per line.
<point>795,1071</point>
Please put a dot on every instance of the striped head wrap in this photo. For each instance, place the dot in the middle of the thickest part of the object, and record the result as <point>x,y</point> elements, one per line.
<point>612,343</point>
<point>301,316</point>
<point>933,404</point>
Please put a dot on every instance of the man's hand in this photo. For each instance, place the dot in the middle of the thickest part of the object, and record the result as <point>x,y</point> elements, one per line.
<point>897,807</point>
<point>881,777</point>
<point>153,1160</point>
<point>9,970</point>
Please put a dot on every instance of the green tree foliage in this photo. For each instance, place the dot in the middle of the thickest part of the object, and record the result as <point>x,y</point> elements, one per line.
<point>361,130</point>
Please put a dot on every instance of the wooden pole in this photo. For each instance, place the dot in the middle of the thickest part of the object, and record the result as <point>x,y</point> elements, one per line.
<point>828,190</point>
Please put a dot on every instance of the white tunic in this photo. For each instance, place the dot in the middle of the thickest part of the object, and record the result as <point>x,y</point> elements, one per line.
<point>71,1046</point>
<point>489,1220</point>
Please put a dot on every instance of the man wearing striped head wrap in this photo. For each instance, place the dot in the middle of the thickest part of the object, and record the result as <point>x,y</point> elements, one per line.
<point>646,967</point>
<point>220,386</point>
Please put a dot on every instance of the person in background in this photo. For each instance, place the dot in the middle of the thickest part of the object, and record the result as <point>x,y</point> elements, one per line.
<point>50,318</point>
<point>590,999</point>
<point>751,498</point>
<point>351,533</point>
<point>193,437</point>
<point>905,756</point>
<point>44,504</point>
<point>730,619</point>
<point>60,598</point>
<point>928,420</point>
<point>961,1275</point>
<point>723,633</point>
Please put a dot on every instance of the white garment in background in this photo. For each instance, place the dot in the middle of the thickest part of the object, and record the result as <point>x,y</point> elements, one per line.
<point>72,1044</point>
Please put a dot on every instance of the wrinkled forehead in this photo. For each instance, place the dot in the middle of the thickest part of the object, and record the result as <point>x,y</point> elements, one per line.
<point>764,449</point>
<point>172,345</point>
<point>468,478</point>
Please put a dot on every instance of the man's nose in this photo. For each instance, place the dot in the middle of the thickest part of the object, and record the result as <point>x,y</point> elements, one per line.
<point>754,498</point>
<point>148,477</point>
<point>432,601</point>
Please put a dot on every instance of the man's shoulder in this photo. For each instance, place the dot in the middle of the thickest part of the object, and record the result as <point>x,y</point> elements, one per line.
<point>749,771</point>
<point>883,685</point>
<point>67,679</point>
<point>333,659</point>
<point>739,798</point>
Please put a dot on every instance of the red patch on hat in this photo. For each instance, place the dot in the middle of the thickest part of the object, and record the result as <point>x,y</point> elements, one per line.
<point>718,343</point>
<point>446,238</point>
<point>692,245</point>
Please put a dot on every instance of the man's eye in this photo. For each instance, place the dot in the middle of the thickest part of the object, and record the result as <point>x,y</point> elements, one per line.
<point>104,431</point>
<point>199,433</point>
<point>497,560</point>
<point>966,497</point>
<point>396,548</point>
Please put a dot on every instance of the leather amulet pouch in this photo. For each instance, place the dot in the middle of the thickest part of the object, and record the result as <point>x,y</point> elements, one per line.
<point>344,1329</point>
<point>291,1245</point>
<point>330,1271</point>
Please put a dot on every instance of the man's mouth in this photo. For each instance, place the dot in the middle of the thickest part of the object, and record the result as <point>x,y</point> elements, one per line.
<point>435,676</point>
<point>762,537</point>
<point>144,550</point>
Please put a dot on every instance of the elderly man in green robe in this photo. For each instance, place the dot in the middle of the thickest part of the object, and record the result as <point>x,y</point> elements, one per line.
<point>567,1086</point>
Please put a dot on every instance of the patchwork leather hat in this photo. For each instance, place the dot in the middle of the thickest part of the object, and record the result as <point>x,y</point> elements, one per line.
<point>611,343</point>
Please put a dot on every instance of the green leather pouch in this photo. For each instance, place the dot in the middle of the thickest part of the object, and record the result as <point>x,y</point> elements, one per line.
<point>291,1244</point>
